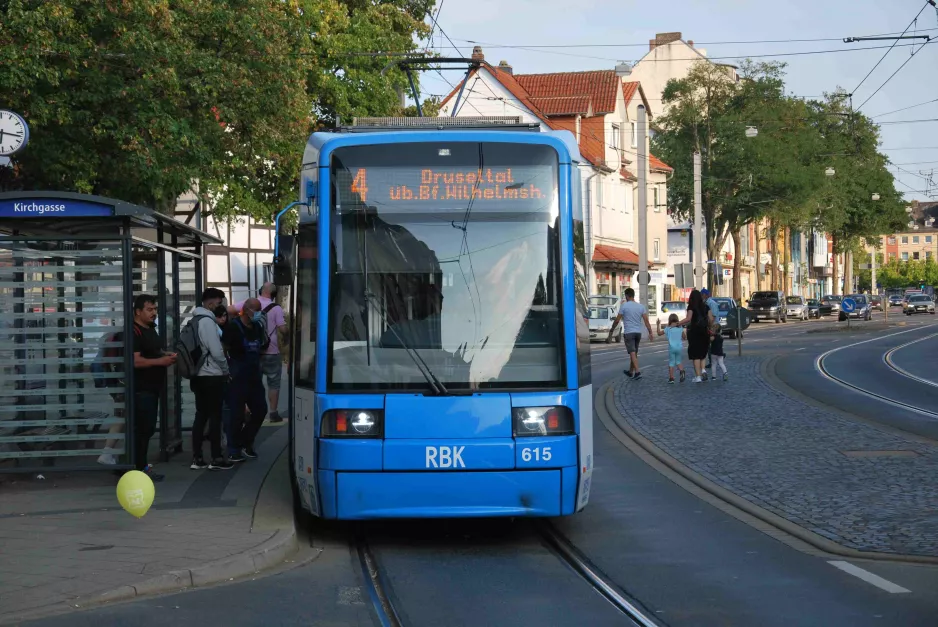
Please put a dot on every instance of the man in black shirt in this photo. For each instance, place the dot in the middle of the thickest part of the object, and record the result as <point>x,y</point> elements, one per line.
<point>150,364</point>
<point>245,338</point>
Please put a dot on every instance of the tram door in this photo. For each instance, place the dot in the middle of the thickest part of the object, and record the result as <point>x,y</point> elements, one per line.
<point>304,327</point>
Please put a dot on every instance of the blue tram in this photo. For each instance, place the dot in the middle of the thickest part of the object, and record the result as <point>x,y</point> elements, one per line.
<point>440,363</point>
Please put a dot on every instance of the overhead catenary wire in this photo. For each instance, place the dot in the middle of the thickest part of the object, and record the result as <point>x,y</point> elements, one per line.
<point>914,19</point>
<point>921,104</point>
<point>914,52</point>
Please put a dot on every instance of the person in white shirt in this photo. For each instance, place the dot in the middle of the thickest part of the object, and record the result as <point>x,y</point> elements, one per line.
<point>632,315</point>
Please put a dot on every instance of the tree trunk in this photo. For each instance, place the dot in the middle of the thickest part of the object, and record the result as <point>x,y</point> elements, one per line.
<point>737,263</point>
<point>758,257</point>
<point>773,236</point>
<point>835,274</point>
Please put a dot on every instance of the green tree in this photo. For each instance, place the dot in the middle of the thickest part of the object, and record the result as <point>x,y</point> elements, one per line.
<point>137,100</point>
<point>742,179</point>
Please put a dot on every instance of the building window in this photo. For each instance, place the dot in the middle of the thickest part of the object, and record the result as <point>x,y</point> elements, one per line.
<point>892,256</point>
<point>656,197</point>
<point>616,138</point>
<point>905,256</point>
<point>892,240</point>
<point>656,249</point>
<point>928,239</point>
<point>634,135</point>
<point>915,255</point>
<point>915,239</point>
<point>905,239</point>
<point>882,241</point>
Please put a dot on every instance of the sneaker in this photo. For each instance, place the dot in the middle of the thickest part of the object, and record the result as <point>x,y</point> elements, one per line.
<point>107,459</point>
<point>249,452</point>
<point>683,374</point>
<point>697,380</point>
<point>726,377</point>
<point>703,375</point>
<point>237,457</point>
<point>275,418</point>
<point>628,373</point>
<point>198,464</point>
<point>671,380</point>
<point>154,476</point>
<point>637,376</point>
<point>221,464</point>
<point>713,376</point>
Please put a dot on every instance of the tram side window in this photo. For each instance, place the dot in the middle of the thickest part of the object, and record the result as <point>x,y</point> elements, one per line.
<point>307,299</point>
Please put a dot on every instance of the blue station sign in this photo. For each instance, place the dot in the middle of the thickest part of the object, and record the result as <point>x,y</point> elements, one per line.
<point>53,208</point>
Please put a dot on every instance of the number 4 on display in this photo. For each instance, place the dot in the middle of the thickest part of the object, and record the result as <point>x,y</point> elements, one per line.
<point>360,184</point>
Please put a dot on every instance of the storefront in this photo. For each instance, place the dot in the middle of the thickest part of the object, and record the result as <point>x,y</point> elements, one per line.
<point>70,266</point>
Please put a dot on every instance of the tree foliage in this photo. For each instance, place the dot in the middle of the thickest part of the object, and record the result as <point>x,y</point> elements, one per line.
<point>779,174</point>
<point>137,100</point>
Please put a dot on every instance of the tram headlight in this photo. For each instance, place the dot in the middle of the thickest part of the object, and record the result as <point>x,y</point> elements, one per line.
<point>352,423</point>
<point>540,421</point>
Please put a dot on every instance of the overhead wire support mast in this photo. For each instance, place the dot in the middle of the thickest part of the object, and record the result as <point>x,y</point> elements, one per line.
<point>850,40</point>
<point>406,66</point>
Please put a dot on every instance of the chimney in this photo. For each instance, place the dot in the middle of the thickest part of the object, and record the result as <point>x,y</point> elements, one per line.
<point>477,53</point>
<point>666,38</point>
<point>652,44</point>
<point>623,69</point>
<point>504,67</point>
<point>690,42</point>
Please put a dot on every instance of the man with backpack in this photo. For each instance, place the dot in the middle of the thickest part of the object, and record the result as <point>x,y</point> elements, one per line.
<point>271,360</point>
<point>246,339</point>
<point>203,361</point>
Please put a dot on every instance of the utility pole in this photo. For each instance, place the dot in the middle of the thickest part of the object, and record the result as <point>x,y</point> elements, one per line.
<point>642,209</point>
<point>698,225</point>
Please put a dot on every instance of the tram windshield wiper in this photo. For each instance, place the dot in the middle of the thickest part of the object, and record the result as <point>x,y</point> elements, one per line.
<point>435,384</point>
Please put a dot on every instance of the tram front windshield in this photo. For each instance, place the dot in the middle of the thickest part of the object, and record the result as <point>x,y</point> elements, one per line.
<point>445,267</point>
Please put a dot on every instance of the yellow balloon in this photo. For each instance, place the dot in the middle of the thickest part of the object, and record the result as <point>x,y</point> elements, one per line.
<point>135,492</point>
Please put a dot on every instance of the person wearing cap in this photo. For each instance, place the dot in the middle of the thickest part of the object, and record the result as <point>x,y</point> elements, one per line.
<point>714,307</point>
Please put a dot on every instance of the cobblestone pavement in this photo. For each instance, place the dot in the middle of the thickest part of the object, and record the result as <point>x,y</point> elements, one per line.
<point>815,468</point>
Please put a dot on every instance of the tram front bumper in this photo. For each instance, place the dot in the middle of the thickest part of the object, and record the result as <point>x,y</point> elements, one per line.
<point>364,495</point>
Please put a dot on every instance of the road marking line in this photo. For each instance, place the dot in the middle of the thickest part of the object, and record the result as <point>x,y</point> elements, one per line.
<point>869,577</point>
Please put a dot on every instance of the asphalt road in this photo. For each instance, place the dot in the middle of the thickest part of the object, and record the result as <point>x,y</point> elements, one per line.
<point>684,561</point>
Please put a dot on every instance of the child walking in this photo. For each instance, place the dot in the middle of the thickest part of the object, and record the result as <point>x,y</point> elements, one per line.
<point>716,351</point>
<point>676,335</point>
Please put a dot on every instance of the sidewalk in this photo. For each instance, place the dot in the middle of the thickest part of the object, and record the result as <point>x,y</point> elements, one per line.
<point>858,486</point>
<point>66,543</point>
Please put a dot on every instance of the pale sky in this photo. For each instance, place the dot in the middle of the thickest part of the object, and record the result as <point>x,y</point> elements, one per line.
<point>627,26</point>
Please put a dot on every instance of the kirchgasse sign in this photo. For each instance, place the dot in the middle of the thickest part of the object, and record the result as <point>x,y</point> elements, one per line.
<point>14,133</point>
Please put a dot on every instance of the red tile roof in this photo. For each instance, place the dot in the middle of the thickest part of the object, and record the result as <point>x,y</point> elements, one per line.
<point>654,163</point>
<point>628,90</point>
<point>603,252</point>
<point>564,105</point>
<point>600,85</point>
<point>628,176</point>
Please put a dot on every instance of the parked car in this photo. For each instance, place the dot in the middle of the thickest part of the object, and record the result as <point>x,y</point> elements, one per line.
<point>669,307</point>
<point>834,301</point>
<point>768,306</point>
<point>919,303</point>
<point>604,300</point>
<point>725,306</point>
<point>863,310</point>
<point>600,321</point>
<point>895,300</point>
<point>796,308</point>
<point>877,302</point>
<point>817,308</point>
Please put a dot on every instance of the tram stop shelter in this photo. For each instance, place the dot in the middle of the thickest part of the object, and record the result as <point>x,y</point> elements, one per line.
<point>70,266</point>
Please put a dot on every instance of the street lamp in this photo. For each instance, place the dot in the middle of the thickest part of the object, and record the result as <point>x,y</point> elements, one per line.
<point>875,196</point>
<point>830,172</point>
<point>751,131</point>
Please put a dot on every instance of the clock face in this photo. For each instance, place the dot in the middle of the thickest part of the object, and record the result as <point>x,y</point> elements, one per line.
<point>13,133</point>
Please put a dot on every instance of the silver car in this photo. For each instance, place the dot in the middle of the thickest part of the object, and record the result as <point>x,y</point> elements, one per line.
<point>919,303</point>
<point>601,319</point>
<point>797,307</point>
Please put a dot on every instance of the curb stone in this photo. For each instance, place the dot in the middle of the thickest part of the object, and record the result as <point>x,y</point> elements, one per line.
<point>793,534</point>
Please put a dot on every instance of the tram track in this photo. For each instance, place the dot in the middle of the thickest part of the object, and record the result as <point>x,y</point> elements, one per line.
<point>887,359</point>
<point>826,373</point>
<point>382,600</point>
